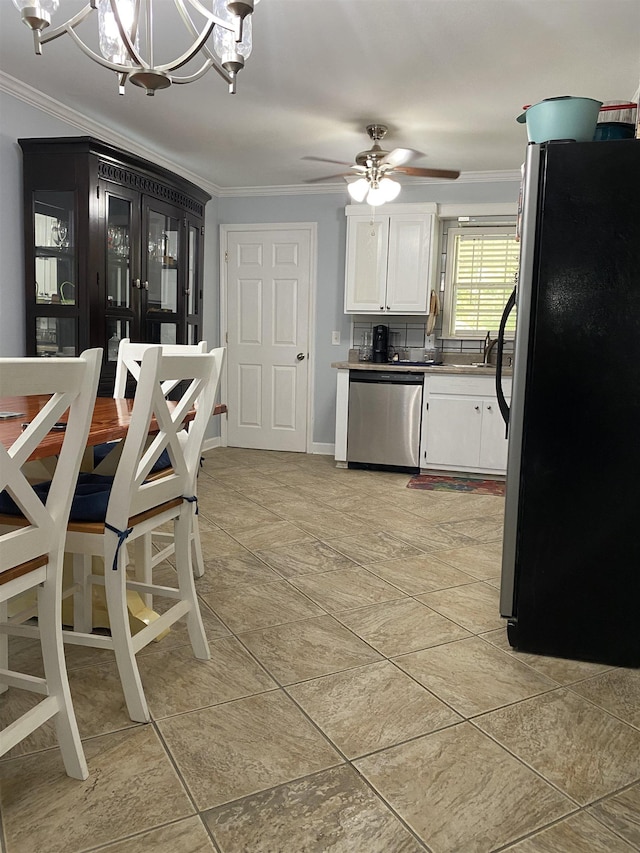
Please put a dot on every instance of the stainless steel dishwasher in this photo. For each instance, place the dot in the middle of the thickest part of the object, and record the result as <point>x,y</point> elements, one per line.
<point>385,411</point>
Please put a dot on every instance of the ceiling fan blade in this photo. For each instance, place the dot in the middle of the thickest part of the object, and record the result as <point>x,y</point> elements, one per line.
<point>419,172</point>
<point>325,160</point>
<point>400,156</point>
<point>329,177</point>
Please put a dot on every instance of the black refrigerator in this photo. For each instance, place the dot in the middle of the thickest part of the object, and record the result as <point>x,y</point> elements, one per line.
<point>571,552</point>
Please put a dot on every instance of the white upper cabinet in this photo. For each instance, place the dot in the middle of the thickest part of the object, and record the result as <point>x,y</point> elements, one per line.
<point>391,259</point>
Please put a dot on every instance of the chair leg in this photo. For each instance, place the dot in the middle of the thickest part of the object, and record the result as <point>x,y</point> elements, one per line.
<point>187,587</point>
<point>142,558</point>
<point>116,593</point>
<point>83,596</point>
<point>196,551</point>
<point>55,671</point>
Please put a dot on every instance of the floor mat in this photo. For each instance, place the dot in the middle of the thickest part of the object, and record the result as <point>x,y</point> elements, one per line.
<point>434,482</point>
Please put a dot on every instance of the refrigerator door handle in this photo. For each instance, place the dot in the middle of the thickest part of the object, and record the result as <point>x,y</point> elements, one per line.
<point>502,402</point>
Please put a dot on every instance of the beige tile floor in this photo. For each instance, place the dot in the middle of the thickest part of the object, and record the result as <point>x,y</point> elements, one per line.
<point>361,697</point>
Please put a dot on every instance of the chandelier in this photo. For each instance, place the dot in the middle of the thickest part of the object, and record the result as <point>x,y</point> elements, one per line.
<point>124,24</point>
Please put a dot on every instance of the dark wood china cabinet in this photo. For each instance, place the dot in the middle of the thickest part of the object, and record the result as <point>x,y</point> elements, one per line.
<point>113,249</point>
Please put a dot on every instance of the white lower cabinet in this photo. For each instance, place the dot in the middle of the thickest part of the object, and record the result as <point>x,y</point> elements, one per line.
<point>462,428</point>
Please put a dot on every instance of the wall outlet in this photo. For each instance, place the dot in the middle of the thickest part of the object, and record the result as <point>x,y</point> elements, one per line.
<point>335,338</point>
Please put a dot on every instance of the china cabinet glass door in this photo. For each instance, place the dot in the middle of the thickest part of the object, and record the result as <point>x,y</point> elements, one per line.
<point>120,280</point>
<point>55,273</point>
<point>192,293</point>
<point>162,279</point>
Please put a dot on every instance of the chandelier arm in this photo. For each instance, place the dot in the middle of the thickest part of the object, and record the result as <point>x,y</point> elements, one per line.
<point>78,18</point>
<point>188,22</point>
<point>206,50</point>
<point>207,14</point>
<point>209,63</point>
<point>195,48</point>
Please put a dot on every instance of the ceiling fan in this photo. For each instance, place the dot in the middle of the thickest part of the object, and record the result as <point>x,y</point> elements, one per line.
<point>374,167</point>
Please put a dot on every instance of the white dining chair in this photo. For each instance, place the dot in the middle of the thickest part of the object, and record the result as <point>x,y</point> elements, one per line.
<point>151,550</point>
<point>32,535</point>
<point>132,504</point>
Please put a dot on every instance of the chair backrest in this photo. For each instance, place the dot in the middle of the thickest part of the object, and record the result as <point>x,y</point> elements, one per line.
<point>132,493</point>
<point>130,355</point>
<point>71,384</point>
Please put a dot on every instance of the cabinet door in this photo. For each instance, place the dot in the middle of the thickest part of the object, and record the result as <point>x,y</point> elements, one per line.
<point>493,444</point>
<point>162,309</point>
<point>193,276</point>
<point>53,306</point>
<point>366,268</point>
<point>410,238</point>
<point>453,432</point>
<point>121,293</point>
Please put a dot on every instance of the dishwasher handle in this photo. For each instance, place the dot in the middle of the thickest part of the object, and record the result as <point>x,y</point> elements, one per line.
<point>387,378</point>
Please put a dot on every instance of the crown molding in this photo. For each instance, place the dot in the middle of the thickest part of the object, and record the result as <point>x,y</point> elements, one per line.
<point>56,109</point>
<point>283,189</point>
<point>510,176</point>
<point>90,127</point>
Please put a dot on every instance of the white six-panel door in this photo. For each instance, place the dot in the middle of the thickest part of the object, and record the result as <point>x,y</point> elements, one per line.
<point>268,283</point>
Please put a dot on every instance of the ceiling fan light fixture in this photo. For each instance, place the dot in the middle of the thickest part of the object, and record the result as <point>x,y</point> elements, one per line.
<point>390,188</point>
<point>376,196</point>
<point>220,39</point>
<point>358,189</point>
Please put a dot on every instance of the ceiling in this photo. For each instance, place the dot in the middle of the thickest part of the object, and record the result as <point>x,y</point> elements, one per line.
<point>448,77</point>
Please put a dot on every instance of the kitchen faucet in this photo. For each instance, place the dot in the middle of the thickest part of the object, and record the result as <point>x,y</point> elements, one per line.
<point>489,344</point>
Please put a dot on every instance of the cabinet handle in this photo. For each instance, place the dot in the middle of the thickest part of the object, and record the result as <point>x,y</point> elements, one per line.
<point>136,283</point>
<point>187,291</point>
<point>488,408</point>
<point>145,285</point>
<point>388,308</point>
<point>382,307</point>
<point>477,408</point>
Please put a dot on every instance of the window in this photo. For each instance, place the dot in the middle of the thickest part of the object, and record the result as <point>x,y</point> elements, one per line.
<point>480,272</point>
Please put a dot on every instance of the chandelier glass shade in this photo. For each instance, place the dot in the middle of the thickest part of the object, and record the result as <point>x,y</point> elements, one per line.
<point>220,32</point>
<point>374,192</point>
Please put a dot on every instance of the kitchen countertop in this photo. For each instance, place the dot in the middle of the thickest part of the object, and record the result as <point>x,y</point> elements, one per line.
<point>398,366</point>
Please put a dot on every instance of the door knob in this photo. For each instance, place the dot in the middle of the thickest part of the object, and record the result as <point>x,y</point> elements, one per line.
<point>300,356</point>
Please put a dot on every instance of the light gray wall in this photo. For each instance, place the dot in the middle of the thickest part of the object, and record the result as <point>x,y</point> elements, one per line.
<point>328,211</point>
<point>19,119</point>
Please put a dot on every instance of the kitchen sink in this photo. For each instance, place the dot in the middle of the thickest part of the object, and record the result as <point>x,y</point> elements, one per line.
<point>468,366</point>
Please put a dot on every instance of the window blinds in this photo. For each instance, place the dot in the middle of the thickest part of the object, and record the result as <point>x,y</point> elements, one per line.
<point>485,263</point>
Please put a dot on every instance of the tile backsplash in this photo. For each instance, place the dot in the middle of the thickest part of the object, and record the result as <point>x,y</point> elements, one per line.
<point>410,333</point>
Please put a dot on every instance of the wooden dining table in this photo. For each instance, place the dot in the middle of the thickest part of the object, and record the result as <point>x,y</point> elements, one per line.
<point>110,421</point>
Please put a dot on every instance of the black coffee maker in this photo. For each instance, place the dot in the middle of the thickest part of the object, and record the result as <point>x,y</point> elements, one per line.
<point>380,347</point>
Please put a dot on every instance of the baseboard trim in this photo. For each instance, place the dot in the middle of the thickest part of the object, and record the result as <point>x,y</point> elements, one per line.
<point>212,443</point>
<point>322,449</point>
<point>317,447</point>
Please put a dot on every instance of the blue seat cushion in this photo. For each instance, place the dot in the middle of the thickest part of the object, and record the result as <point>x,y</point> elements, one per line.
<point>89,503</point>
<point>101,451</point>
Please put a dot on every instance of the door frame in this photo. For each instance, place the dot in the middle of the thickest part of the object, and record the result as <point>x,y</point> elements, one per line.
<point>312,229</point>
